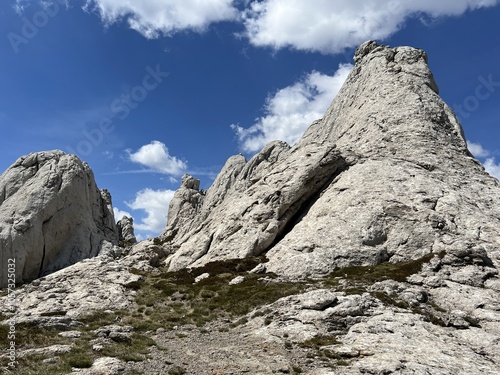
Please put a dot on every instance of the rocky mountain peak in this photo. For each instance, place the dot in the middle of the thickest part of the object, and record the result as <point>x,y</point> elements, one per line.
<point>390,107</point>
<point>385,175</point>
<point>52,214</point>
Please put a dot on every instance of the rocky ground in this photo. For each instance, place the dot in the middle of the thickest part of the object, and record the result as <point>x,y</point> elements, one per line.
<point>131,316</point>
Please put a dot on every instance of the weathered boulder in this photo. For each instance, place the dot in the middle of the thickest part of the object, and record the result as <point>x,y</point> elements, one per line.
<point>52,215</point>
<point>59,299</point>
<point>126,230</point>
<point>103,366</point>
<point>384,176</point>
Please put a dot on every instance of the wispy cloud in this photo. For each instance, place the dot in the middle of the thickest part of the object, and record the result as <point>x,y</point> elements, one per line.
<point>292,109</point>
<point>489,163</point>
<point>492,167</point>
<point>119,214</point>
<point>477,150</point>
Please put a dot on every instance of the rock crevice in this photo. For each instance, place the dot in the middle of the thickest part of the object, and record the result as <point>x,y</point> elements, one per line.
<point>384,175</point>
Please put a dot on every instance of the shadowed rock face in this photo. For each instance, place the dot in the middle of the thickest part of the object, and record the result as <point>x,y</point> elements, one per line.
<point>126,230</point>
<point>52,214</point>
<point>384,176</point>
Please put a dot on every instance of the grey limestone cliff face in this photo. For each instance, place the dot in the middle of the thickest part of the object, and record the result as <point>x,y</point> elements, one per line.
<point>52,214</point>
<point>384,176</point>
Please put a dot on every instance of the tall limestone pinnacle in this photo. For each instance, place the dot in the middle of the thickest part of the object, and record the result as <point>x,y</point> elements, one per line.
<point>384,176</point>
<point>52,215</point>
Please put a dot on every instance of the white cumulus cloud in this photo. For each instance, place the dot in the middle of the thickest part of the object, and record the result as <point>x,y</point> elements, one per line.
<point>492,167</point>
<point>119,214</point>
<point>489,163</point>
<point>153,18</point>
<point>330,26</point>
<point>477,150</point>
<point>292,109</point>
<point>155,203</point>
<point>156,157</point>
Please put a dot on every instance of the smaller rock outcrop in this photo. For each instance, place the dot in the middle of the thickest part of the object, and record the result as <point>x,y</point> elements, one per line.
<point>126,230</point>
<point>184,207</point>
<point>250,205</point>
<point>52,215</point>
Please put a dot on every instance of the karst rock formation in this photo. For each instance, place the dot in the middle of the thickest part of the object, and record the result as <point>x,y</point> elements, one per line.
<point>126,230</point>
<point>383,180</point>
<point>52,215</point>
<point>384,176</point>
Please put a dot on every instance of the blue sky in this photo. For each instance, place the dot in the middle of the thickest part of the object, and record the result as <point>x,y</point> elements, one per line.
<point>145,91</point>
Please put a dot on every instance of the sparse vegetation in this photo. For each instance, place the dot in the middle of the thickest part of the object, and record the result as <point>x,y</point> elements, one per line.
<point>318,342</point>
<point>170,299</point>
<point>173,298</point>
<point>176,370</point>
<point>79,359</point>
<point>362,276</point>
<point>81,356</point>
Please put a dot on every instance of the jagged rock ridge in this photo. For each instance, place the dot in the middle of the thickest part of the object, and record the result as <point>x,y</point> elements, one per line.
<point>384,176</point>
<point>52,214</point>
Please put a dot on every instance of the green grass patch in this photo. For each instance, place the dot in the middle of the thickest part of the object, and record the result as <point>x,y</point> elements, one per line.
<point>177,370</point>
<point>318,342</point>
<point>173,298</point>
<point>28,336</point>
<point>35,365</point>
<point>80,357</point>
<point>135,351</point>
<point>368,275</point>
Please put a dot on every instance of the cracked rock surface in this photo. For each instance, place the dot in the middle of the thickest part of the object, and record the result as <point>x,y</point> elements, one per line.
<point>384,176</point>
<point>52,215</point>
